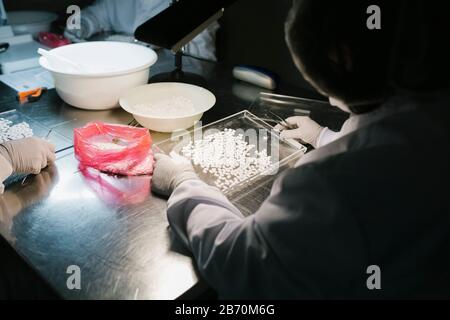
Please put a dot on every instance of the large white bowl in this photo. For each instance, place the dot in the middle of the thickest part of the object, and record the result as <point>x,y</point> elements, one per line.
<point>201,98</point>
<point>109,69</point>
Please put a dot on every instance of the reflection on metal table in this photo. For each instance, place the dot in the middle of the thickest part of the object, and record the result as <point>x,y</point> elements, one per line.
<point>114,229</point>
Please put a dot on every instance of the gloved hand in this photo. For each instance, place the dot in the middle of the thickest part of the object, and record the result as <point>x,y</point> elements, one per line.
<point>29,155</point>
<point>169,172</point>
<point>306,130</point>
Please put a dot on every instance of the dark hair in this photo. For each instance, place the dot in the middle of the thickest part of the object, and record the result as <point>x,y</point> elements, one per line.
<point>341,57</point>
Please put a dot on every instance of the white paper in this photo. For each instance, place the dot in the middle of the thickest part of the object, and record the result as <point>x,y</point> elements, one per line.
<point>28,79</point>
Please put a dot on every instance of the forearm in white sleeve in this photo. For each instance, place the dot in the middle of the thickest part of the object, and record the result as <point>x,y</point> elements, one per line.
<point>227,247</point>
<point>288,249</point>
<point>326,136</point>
<point>183,213</point>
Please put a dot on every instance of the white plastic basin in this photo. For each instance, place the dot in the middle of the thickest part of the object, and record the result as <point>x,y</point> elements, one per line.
<point>109,69</point>
<point>200,100</point>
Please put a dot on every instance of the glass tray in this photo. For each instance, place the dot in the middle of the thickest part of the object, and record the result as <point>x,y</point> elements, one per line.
<point>256,132</point>
<point>60,142</point>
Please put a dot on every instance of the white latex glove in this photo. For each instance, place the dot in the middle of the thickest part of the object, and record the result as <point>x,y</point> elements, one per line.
<point>169,172</point>
<point>306,130</point>
<point>29,155</point>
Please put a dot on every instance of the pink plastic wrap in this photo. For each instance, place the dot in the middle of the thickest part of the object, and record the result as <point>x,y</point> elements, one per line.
<point>116,191</point>
<point>113,148</point>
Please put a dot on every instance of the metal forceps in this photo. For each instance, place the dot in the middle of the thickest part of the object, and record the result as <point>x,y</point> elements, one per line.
<point>282,121</point>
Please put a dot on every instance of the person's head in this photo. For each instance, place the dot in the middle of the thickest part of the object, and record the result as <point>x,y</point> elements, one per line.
<point>342,58</point>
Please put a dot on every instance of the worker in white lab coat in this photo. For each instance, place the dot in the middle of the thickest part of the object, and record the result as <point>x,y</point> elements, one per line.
<point>365,215</point>
<point>124,17</point>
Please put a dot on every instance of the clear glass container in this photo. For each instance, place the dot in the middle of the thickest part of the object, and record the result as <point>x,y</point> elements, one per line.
<point>60,142</point>
<point>254,130</point>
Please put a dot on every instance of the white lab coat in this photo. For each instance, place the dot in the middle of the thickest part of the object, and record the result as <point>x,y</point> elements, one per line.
<point>354,122</point>
<point>376,196</point>
<point>125,17</point>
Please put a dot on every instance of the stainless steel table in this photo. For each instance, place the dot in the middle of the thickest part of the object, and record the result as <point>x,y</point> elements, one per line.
<point>112,228</point>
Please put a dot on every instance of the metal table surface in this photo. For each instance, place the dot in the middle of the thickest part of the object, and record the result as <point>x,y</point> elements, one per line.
<point>113,228</point>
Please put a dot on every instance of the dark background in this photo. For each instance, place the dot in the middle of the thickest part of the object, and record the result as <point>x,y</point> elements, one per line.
<point>252,32</point>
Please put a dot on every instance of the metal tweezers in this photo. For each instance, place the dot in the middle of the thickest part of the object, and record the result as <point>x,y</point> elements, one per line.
<point>282,121</point>
<point>290,101</point>
<point>287,100</point>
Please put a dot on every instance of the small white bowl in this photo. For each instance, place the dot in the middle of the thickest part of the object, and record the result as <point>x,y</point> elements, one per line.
<point>202,100</point>
<point>109,69</point>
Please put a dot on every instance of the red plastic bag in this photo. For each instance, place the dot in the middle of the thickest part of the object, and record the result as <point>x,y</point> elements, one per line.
<point>114,148</point>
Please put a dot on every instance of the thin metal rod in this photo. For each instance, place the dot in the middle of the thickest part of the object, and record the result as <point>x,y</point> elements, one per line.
<point>48,134</point>
<point>285,97</point>
<point>282,121</point>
